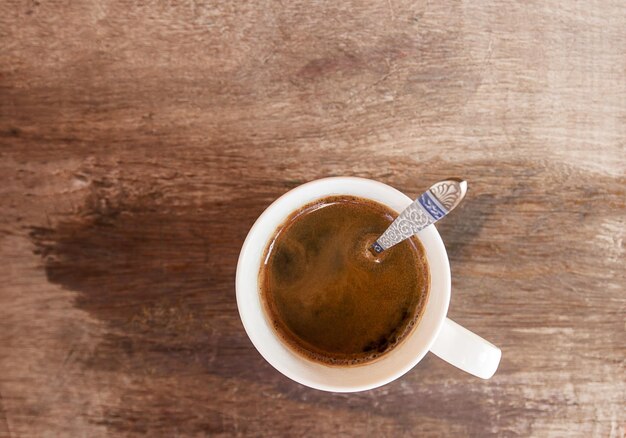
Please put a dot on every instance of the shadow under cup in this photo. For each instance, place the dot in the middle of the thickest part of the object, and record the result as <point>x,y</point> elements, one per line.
<point>390,366</point>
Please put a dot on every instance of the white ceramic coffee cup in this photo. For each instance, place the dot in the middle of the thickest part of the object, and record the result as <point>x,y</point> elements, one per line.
<point>434,332</point>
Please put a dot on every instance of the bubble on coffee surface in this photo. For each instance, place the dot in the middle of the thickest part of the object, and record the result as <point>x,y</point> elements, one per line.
<point>328,297</point>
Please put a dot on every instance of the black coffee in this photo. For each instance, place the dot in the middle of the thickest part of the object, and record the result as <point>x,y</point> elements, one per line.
<point>327,296</point>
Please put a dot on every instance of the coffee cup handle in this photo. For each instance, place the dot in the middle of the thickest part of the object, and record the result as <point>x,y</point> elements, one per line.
<point>466,350</point>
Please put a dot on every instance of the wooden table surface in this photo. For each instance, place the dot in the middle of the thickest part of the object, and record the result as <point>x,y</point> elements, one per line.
<point>139,141</point>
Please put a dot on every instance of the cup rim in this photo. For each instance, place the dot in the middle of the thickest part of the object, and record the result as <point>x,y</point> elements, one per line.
<point>370,375</point>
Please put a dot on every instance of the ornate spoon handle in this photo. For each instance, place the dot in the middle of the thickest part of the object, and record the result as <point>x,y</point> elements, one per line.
<point>432,205</point>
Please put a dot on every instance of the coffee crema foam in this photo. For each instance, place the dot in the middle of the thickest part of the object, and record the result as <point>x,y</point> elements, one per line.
<point>327,297</point>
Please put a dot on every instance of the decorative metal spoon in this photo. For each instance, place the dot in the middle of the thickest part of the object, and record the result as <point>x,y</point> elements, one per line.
<point>431,206</point>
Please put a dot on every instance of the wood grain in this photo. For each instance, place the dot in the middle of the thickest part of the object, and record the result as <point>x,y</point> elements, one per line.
<point>139,141</point>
